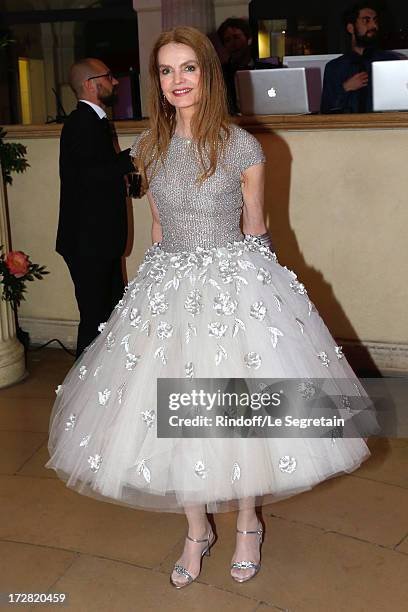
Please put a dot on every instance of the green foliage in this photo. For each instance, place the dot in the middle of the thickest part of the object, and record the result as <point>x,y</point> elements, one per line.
<point>12,157</point>
<point>11,153</point>
<point>5,40</point>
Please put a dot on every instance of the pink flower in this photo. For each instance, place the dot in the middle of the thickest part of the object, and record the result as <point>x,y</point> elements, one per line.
<point>18,263</point>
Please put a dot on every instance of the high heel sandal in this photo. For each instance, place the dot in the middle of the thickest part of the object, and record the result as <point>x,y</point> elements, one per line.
<point>181,570</point>
<point>244,565</point>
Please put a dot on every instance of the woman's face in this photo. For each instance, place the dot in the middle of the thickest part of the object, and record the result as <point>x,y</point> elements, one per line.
<point>180,75</point>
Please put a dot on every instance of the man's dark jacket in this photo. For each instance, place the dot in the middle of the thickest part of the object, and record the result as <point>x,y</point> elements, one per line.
<point>334,98</point>
<point>93,217</point>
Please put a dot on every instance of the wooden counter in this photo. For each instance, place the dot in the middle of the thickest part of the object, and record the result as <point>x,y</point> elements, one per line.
<point>256,124</point>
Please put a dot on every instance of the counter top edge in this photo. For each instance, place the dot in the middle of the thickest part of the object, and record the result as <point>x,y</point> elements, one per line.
<point>255,124</point>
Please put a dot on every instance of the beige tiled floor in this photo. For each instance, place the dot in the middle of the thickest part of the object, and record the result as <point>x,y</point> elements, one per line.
<point>342,547</point>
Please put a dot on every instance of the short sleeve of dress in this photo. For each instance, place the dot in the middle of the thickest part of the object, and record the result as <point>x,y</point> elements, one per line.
<point>247,149</point>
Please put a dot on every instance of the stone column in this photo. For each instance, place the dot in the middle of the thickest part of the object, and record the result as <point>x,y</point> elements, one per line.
<point>188,12</point>
<point>149,28</point>
<point>230,8</point>
<point>12,361</point>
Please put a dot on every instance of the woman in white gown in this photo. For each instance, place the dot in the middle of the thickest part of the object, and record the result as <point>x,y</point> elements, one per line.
<point>208,301</point>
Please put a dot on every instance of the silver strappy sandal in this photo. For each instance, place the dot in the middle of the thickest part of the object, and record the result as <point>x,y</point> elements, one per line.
<point>243,565</point>
<point>182,570</point>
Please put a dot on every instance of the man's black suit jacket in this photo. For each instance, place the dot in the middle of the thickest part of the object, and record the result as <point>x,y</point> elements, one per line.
<point>93,216</point>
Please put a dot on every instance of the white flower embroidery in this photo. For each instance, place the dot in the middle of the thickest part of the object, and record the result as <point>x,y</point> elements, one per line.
<point>85,440</point>
<point>95,462</point>
<point>278,302</point>
<point>132,361</point>
<point>236,472</point>
<point>70,424</point>
<point>124,312</point>
<point>275,335</point>
<point>189,369</point>
<point>125,342</point>
<point>157,273</point>
<point>253,360</point>
<point>228,270</point>
<point>244,264</point>
<point>307,390</point>
<point>135,290</point>
<point>238,324</point>
<point>301,325</point>
<point>173,282</point>
<point>298,287</point>
<point>200,469</point>
<point>339,352</point>
<point>110,341</point>
<point>98,369</point>
<point>224,304</point>
<point>217,329</point>
<point>324,358</point>
<point>193,303</point>
<point>287,464</point>
<point>191,331</point>
<point>158,304</point>
<point>164,330</point>
<point>264,276</point>
<point>160,353</point>
<point>148,417</point>
<point>258,311</point>
<point>146,328</point>
<point>120,392</point>
<point>143,470</point>
<point>220,354</point>
<point>103,396</point>
<point>135,317</point>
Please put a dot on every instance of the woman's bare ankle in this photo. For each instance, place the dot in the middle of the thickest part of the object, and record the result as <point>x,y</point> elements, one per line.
<point>247,523</point>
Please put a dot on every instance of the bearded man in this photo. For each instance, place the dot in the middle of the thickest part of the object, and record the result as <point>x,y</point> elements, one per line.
<point>347,79</point>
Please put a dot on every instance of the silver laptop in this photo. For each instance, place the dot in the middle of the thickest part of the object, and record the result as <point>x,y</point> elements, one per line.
<point>279,91</point>
<point>309,61</point>
<point>390,85</point>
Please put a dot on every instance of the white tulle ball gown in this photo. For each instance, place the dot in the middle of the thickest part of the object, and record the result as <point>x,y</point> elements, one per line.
<point>206,302</point>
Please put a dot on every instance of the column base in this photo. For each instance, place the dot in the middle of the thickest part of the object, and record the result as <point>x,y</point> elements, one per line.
<point>12,363</point>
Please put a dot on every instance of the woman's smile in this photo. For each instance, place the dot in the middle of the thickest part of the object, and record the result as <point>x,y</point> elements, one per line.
<point>182,92</point>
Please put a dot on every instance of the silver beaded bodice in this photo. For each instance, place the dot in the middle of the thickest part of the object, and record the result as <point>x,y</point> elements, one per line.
<point>203,215</point>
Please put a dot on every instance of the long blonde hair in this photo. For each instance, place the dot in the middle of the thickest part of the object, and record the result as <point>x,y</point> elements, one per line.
<point>210,122</point>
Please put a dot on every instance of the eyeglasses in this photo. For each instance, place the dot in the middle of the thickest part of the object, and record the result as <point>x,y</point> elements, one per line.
<point>108,75</point>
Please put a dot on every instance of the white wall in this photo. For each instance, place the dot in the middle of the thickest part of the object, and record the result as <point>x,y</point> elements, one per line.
<point>336,203</point>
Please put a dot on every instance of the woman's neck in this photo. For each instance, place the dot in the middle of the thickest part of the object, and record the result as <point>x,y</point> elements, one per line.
<point>183,122</point>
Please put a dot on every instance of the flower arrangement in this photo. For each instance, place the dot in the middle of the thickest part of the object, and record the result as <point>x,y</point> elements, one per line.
<point>15,270</point>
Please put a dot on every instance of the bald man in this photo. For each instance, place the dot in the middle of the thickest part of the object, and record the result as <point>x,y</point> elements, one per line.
<point>92,228</point>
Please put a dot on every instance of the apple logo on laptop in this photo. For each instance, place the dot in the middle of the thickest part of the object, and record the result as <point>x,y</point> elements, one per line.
<point>272,93</point>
